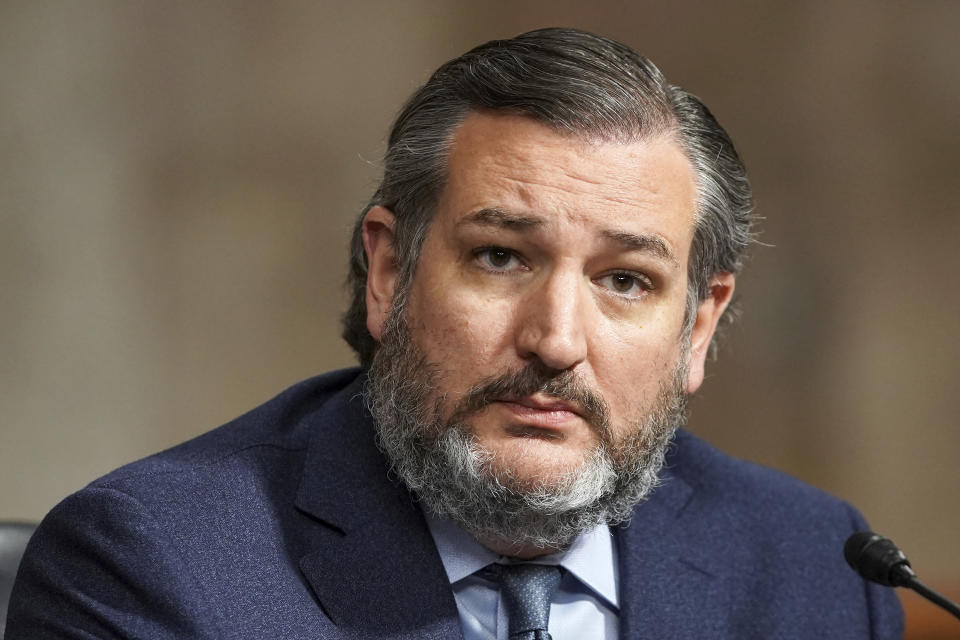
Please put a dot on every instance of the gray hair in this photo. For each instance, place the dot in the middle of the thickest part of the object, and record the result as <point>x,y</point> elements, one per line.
<point>577,83</point>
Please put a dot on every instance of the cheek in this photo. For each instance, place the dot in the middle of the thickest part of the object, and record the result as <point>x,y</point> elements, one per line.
<point>632,361</point>
<point>463,335</point>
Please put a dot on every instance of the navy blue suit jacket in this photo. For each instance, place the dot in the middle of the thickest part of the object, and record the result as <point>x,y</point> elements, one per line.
<point>285,524</point>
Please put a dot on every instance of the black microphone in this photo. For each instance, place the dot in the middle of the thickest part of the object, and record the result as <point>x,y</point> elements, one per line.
<point>879,560</point>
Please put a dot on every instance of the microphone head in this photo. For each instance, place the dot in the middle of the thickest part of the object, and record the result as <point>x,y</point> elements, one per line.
<point>877,559</point>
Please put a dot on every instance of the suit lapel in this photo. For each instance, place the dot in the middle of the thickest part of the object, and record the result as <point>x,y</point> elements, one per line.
<point>373,566</point>
<point>670,587</point>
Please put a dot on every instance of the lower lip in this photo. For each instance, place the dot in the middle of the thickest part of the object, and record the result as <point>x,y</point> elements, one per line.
<point>550,418</point>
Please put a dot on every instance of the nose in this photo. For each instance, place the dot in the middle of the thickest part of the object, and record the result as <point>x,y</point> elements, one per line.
<point>552,322</point>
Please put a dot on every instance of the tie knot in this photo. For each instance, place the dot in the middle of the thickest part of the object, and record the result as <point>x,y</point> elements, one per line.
<point>527,590</point>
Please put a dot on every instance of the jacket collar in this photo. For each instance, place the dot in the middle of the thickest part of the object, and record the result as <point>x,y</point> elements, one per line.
<point>669,582</point>
<point>372,564</point>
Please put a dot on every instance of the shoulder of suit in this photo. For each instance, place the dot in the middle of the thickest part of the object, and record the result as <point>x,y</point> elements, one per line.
<point>280,424</point>
<point>722,479</point>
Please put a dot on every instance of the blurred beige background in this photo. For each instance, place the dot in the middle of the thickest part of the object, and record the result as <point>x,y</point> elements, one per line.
<point>177,181</point>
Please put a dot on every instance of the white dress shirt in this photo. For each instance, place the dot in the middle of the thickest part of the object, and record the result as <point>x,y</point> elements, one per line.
<point>585,604</point>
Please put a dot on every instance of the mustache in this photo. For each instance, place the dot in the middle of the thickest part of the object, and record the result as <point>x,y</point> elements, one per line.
<point>537,378</point>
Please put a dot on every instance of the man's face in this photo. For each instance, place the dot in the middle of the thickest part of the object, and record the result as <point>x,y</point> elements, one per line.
<point>550,253</point>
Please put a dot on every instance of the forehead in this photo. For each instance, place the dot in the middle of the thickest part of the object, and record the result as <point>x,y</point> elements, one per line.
<point>516,164</point>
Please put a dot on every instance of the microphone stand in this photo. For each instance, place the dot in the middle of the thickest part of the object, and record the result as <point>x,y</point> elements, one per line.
<point>879,560</point>
<point>931,595</point>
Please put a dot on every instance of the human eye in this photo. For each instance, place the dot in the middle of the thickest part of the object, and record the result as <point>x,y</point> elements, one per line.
<point>626,284</point>
<point>497,259</point>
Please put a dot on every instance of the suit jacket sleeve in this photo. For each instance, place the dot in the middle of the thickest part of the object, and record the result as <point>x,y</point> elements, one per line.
<point>100,567</point>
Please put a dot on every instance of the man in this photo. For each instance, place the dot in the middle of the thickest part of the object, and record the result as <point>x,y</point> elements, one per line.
<point>536,286</point>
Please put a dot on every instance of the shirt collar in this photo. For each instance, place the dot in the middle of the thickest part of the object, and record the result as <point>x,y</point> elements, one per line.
<point>591,558</point>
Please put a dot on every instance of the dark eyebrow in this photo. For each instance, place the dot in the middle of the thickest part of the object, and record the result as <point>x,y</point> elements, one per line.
<point>644,243</point>
<point>628,241</point>
<point>502,219</point>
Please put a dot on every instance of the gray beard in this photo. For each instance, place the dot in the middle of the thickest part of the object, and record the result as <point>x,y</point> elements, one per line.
<point>455,477</point>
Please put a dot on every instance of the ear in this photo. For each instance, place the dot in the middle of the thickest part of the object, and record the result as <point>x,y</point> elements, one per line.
<point>381,267</point>
<point>708,315</point>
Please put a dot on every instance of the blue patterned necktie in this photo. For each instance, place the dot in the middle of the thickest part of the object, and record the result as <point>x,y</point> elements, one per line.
<point>527,590</point>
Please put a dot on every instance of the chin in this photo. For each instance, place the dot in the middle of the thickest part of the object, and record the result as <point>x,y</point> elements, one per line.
<point>535,465</point>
